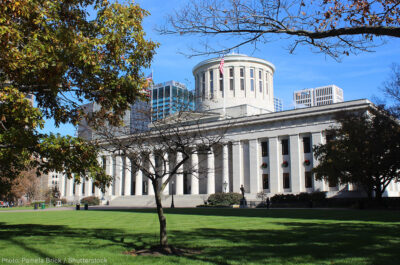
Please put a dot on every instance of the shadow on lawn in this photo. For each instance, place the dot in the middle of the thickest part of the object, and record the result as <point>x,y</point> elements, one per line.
<point>308,214</point>
<point>298,242</point>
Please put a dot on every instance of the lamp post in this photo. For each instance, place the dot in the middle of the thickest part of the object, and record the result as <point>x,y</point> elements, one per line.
<point>172,202</point>
<point>225,186</point>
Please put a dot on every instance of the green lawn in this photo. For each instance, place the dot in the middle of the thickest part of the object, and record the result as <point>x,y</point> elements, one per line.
<point>225,236</point>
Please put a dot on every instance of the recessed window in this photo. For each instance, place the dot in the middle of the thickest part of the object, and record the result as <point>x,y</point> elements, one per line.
<point>264,149</point>
<point>203,85</point>
<point>307,145</point>
<point>260,81</point>
<point>285,147</point>
<point>242,86</point>
<point>265,181</point>
<point>221,82</point>
<point>333,183</point>
<point>231,78</point>
<point>266,82</point>
<point>286,181</point>
<point>308,179</point>
<point>211,83</point>
<point>251,79</point>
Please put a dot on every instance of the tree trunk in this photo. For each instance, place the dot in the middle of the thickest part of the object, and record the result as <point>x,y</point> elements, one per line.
<point>161,217</point>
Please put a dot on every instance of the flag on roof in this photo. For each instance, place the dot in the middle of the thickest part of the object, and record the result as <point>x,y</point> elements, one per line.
<point>149,77</point>
<point>221,66</point>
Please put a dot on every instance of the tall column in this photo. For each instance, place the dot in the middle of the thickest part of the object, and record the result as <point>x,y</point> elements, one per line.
<point>316,140</point>
<point>152,169</point>
<point>225,168</point>
<point>237,166</point>
<point>78,189</point>
<point>275,172</point>
<point>88,187</point>
<point>179,177</point>
<point>109,165</point>
<point>97,191</point>
<point>297,182</point>
<point>69,186</point>
<point>195,172</point>
<point>118,175</point>
<point>210,172</point>
<point>139,182</point>
<point>128,176</point>
<point>166,170</point>
<point>255,176</point>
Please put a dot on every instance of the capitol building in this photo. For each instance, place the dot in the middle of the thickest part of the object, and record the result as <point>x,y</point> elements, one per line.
<point>263,150</point>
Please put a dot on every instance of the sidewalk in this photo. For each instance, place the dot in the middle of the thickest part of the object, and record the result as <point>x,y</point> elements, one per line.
<point>39,210</point>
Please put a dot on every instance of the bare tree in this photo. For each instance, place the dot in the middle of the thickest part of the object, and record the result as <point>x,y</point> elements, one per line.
<point>162,151</point>
<point>391,88</point>
<point>334,27</point>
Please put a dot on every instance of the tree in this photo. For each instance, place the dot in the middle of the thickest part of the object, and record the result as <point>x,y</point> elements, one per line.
<point>364,150</point>
<point>63,56</point>
<point>161,152</point>
<point>392,89</point>
<point>334,27</point>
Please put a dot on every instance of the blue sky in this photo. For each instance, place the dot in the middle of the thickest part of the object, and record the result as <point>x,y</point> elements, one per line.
<point>360,76</point>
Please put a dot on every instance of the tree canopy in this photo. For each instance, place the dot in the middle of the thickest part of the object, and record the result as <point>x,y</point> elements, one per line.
<point>334,27</point>
<point>65,56</point>
<point>364,150</point>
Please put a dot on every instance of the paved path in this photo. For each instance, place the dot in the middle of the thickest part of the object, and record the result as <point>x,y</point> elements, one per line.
<point>39,210</point>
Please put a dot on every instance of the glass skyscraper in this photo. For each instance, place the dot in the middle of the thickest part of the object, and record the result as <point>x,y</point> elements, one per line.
<point>170,97</point>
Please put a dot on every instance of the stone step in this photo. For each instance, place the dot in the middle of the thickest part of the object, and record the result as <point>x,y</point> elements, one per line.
<point>149,200</point>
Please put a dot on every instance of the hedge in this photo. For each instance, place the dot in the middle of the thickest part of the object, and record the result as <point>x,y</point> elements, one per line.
<point>224,199</point>
<point>92,200</point>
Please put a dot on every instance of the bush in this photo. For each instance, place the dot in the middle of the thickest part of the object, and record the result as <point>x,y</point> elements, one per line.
<point>92,200</point>
<point>224,199</point>
<point>302,197</point>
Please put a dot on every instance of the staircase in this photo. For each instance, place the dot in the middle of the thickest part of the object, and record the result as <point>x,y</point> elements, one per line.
<point>149,200</point>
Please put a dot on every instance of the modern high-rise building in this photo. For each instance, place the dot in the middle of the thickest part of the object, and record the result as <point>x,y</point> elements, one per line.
<point>278,105</point>
<point>170,97</point>
<point>318,96</point>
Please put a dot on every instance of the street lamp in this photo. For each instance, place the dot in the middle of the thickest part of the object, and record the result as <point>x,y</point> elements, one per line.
<point>225,186</point>
<point>172,202</point>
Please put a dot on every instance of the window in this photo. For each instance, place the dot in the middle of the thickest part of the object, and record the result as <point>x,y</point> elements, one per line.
<point>265,181</point>
<point>251,79</point>
<point>308,179</point>
<point>167,91</point>
<point>203,86</point>
<point>285,147</point>
<point>161,92</point>
<point>260,81</point>
<point>221,82</point>
<point>241,78</point>
<point>266,82</point>
<point>329,137</point>
<point>93,188</point>
<point>264,149</point>
<point>211,84</point>
<point>307,145</point>
<point>154,94</point>
<point>286,181</point>
<point>83,187</point>
<point>231,78</point>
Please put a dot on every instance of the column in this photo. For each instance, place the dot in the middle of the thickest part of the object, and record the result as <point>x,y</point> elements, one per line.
<point>297,182</point>
<point>69,186</point>
<point>195,172</point>
<point>78,189</point>
<point>237,166</point>
<point>139,182</point>
<point>128,176</point>
<point>225,168</point>
<point>97,191</point>
<point>275,172</point>
<point>88,187</point>
<point>210,172</point>
<point>179,176</point>
<point>118,175</point>
<point>255,176</point>
<point>109,160</point>
<point>316,140</point>
<point>166,171</point>
<point>152,169</point>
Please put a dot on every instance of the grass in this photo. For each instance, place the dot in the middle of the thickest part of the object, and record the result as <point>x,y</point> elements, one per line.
<point>225,236</point>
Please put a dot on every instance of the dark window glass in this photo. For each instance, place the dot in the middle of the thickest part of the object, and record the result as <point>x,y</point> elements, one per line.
<point>265,181</point>
<point>333,183</point>
<point>154,93</point>
<point>308,179</point>
<point>264,149</point>
<point>161,92</point>
<point>93,188</point>
<point>286,181</point>
<point>221,81</point>
<point>167,91</point>
<point>307,145</point>
<point>285,147</point>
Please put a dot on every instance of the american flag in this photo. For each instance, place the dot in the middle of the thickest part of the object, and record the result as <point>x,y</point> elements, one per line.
<point>149,78</point>
<point>221,66</point>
